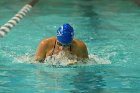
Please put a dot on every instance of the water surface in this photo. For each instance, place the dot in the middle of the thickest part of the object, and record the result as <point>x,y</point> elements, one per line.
<point>110,29</point>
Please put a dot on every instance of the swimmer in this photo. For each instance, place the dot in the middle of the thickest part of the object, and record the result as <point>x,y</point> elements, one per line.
<point>64,41</point>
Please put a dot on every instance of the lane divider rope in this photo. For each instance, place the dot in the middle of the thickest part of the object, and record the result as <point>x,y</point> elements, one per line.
<point>16,19</point>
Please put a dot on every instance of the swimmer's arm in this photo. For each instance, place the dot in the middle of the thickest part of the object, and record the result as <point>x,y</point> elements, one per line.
<point>41,52</point>
<point>84,52</point>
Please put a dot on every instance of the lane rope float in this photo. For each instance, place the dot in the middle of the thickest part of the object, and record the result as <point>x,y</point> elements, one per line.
<point>16,19</point>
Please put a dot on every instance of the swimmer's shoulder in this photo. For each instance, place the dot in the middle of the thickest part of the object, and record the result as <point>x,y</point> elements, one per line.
<point>80,48</point>
<point>48,41</point>
<point>79,43</point>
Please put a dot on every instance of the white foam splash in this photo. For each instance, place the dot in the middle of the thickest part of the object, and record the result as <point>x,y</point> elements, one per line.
<point>94,59</point>
<point>23,59</point>
<point>63,60</point>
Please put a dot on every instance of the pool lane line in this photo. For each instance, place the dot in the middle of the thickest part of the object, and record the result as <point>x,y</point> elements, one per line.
<point>16,19</point>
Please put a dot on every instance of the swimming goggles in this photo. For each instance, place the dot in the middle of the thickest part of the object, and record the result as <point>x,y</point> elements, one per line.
<point>63,45</point>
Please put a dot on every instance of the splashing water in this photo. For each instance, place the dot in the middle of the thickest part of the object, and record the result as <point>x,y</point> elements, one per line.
<point>24,59</point>
<point>94,59</point>
<point>63,60</point>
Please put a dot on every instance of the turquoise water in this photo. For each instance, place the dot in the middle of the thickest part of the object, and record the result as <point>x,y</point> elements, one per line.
<point>110,29</point>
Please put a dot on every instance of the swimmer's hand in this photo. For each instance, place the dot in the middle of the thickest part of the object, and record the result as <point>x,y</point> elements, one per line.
<point>71,63</point>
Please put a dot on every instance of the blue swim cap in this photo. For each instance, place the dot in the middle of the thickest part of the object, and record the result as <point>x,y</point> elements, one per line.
<point>65,34</point>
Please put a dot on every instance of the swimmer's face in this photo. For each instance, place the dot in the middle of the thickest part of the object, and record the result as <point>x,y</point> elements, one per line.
<point>63,47</point>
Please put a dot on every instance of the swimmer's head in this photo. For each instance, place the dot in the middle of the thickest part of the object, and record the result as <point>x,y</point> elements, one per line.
<point>65,34</point>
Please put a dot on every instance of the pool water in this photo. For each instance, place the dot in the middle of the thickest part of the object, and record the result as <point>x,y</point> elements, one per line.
<point>110,29</point>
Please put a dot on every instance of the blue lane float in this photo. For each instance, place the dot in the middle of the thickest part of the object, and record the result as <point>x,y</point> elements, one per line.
<point>6,28</point>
